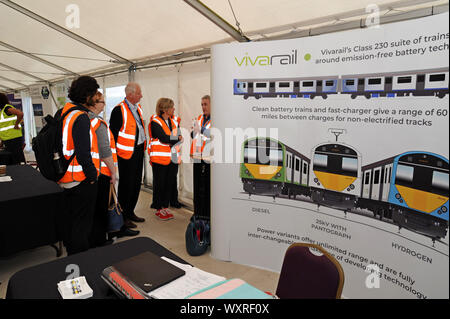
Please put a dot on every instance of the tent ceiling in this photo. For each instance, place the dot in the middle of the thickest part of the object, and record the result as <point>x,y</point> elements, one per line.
<point>138,29</point>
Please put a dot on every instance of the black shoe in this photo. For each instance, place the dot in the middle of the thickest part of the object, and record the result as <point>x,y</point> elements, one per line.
<point>176,205</point>
<point>127,232</point>
<point>136,219</point>
<point>129,224</point>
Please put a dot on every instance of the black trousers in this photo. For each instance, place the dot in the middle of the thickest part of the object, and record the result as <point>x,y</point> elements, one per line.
<point>202,189</point>
<point>163,177</point>
<point>78,216</point>
<point>100,219</point>
<point>15,147</point>
<point>130,180</point>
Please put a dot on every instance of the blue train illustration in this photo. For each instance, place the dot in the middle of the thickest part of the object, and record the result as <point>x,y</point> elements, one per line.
<point>432,82</point>
<point>410,190</point>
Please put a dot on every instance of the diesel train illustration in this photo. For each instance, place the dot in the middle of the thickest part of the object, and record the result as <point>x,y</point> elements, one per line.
<point>432,82</point>
<point>410,190</point>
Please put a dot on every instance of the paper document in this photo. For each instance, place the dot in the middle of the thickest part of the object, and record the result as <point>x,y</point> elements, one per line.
<point>194,280</point>
<point>5,179</point>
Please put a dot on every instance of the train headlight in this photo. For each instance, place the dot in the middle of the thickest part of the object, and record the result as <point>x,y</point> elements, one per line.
<point>352,187</point>
<point>398,196</point>
<point>278,175</point>
<point>444,209</point>
<point>247,172</point>
<point>316,180</point>
<point>439,212</point>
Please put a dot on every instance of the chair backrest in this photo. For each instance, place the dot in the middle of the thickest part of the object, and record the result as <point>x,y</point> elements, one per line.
<point>307,275</point>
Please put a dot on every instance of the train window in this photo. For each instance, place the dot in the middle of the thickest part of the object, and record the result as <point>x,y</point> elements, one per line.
<point>350,82</point>
<point>285,84</point>
<point>376,81</point>
<point>297,165</point>
<point>296,84</point>
<point>319,83</point>
<point>377,178</point>
<point>308,84</point>
<point>305,168</point>
<point>421,78</point>
<point>244,85</point>
<point>349,164</point>
<point>404,79</point>
<point>320,160</point>
<point>405,173</point>
<point>275,156</point>
<point>437,77</point>
<point>390,173</point>
<point>272,84</point>
<point>329,83</point>
<point>388,80</point>
<point>361,82</point>
<point>367,178</point>
<point>261,85</point>
<point>250,155</point>
<point>440,180</point>
<point>250,85</point>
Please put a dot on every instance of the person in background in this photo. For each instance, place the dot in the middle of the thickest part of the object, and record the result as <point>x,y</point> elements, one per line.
<point>174,191</point>
<point>108,172</point>
<point>164,155</point>
<point>127,127</point>
<point>202,167</point>
<point>11,130</point>
<point>80,179</point>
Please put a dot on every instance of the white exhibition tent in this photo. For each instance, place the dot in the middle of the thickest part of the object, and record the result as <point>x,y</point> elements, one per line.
<point>162,44</point>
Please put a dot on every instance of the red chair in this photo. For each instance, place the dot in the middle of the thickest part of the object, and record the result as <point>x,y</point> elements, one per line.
<point>309,274</point>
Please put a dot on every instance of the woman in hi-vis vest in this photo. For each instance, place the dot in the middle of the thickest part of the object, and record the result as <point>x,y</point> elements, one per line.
<point>108,173</point>
<point>164,154</point>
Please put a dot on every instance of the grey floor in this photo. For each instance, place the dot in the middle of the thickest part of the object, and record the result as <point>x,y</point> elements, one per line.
<point>169,234</point>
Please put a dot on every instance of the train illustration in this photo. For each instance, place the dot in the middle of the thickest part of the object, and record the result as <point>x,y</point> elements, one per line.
<point>410,190</point>
<point>431,82</point>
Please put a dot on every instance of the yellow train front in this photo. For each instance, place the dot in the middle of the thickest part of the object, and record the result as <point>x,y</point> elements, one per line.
<point>335,176</point>
<point>269,167</point>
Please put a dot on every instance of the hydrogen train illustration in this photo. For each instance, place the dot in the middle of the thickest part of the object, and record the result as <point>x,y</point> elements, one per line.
<point>410,190</point>
<point>432,82</point>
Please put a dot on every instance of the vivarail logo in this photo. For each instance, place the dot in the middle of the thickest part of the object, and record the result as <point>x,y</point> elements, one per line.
<point>266,60</point>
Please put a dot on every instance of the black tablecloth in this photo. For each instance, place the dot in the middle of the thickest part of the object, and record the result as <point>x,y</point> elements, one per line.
<point>29,210</point>
<point>5,157</point>
<point>40,282</point>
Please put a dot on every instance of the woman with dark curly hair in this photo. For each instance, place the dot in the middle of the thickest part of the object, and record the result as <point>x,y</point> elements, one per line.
<point>80,180</point>
<point>11,130</point>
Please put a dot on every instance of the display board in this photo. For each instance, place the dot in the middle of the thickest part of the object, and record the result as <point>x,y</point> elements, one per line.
<point>340,140</point>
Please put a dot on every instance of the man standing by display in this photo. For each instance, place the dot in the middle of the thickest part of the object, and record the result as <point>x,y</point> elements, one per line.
<point>200,154</point>
<point>127,126</point>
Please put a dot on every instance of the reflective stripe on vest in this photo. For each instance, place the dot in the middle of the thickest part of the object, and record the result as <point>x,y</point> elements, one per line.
<point>75,172</point>
<point>127,134</point>
<point>161,153</point>
<point>199,141</point>
<point>7,124</point>
<point>104,169</point>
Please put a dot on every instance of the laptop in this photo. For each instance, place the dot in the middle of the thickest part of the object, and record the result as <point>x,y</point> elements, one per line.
<point>135,277</point>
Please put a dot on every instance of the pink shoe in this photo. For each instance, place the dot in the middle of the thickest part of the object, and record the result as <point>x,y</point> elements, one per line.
<point>161,214</point>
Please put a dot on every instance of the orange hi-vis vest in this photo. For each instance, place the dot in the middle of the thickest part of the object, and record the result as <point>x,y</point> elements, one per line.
<point>161,153</point>
<point>112,143</point>
<point>199,140</point>
<point>127,134</point>
<point>75,172</point>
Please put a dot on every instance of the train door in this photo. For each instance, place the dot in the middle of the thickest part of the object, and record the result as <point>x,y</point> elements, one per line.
<point>366,186</point>
<point>376,184</point>
<point>297,170</point>
<point>387,183</point>
<point>289,167</point>
<point>305,171</point>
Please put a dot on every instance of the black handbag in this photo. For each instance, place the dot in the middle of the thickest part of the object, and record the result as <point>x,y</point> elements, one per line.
<point>115,216</point>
